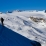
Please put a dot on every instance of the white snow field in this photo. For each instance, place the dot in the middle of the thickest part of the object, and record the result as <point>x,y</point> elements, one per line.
<point>21,23</point>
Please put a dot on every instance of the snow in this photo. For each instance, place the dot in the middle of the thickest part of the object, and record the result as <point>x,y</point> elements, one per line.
<point>21,23</point>
<point>10,38</point>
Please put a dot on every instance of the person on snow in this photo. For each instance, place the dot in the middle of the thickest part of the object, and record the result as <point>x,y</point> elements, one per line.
<point>2,20</point>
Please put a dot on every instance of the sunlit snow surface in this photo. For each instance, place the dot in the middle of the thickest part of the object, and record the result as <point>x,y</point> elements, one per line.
<point>21,23</point>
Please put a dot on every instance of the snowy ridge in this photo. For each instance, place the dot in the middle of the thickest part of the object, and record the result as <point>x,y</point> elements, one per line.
<point>25,11</point>
<point>21,23</point>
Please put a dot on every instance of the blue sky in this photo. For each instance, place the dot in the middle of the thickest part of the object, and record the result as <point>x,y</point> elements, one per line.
<point>6,5</point>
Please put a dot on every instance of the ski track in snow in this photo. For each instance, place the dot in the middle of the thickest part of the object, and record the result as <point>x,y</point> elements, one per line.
<point>21,23</point>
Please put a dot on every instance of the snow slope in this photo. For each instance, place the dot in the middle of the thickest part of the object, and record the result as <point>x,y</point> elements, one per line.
<point>21,23</point>
<point>10,38</point>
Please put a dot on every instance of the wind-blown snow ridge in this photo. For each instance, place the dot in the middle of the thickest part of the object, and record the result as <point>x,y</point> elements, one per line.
<point>21,23</point>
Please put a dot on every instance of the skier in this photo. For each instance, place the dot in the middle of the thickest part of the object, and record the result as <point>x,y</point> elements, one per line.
<point>2,20</point>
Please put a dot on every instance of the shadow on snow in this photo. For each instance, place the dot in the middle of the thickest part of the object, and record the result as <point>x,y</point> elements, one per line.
<point>11,38</point>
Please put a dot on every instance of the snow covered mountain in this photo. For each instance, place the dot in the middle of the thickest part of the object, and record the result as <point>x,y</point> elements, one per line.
<point>23,23</point>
